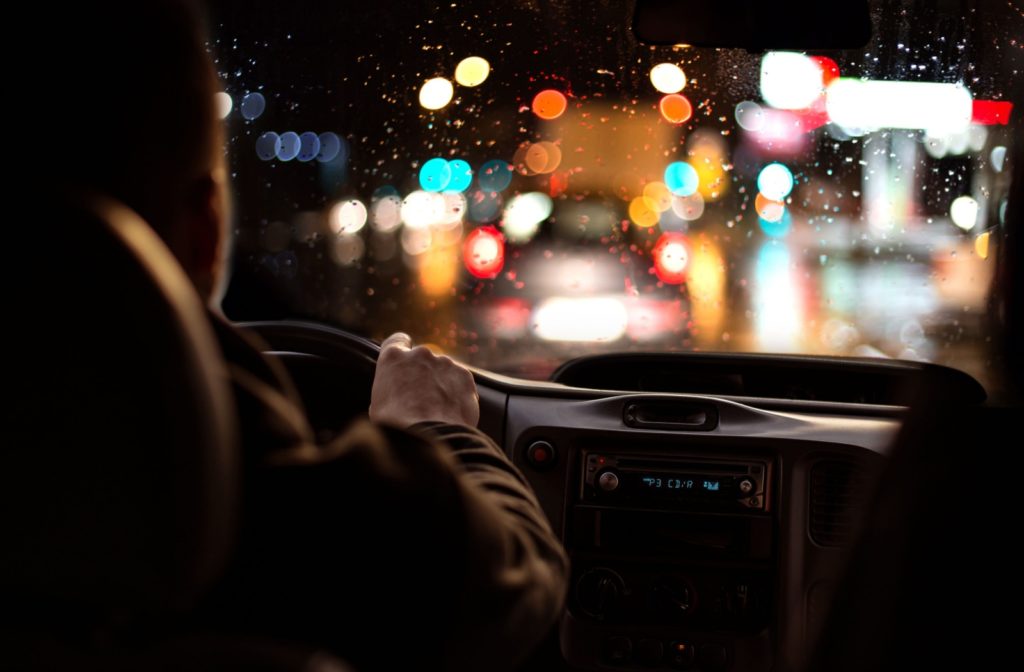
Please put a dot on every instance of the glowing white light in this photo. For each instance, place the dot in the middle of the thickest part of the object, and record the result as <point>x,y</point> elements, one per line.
<point>472,71</point>
<point>941,109</point>
<point>585,319</point>
<point>386,214</point>
<point>223,103</point>
<point>668,78</point>
<point>749,116</point>
<point>674,257</point>
<point>964,212</point>
<point>688,207</point>
<point>775,181</point>
<point>790,81</point>
<point>997,156</point>
<point>524,214</point>
<point>421,209</point>
<point>347,217</point>
<point>436,93</point>
<point>454,209</point>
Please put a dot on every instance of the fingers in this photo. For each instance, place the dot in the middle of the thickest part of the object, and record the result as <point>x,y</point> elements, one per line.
<point>398,340</point>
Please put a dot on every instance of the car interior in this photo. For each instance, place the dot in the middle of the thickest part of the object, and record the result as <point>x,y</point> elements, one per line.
<point>729,499</point>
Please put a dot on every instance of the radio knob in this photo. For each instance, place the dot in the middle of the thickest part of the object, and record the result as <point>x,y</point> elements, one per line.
<point>746,486</point>
<point>599,592</point>
<point>608,481</point>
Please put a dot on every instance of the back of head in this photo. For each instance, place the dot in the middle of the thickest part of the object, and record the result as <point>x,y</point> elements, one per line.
<point>124,103</point>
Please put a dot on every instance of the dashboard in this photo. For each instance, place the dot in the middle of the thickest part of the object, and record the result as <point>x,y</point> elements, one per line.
<point>706,531</point>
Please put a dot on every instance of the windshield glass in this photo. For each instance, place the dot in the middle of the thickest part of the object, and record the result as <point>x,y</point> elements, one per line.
<point>520,183</point>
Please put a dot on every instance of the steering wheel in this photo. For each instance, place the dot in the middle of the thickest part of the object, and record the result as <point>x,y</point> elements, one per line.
<point>332,369</point>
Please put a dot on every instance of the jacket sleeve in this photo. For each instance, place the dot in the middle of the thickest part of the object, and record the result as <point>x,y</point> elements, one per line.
<point>516,581</point>
<point>395,549</point>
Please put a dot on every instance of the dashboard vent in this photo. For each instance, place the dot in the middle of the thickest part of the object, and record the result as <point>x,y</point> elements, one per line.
<point>839,490</point>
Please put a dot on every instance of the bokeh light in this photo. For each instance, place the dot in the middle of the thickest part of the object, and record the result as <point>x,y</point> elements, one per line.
<point>268,145</point>
<point>689,207</point>
<point>495,175</point>
<point>436,93</point>
<point>422,209</point>
<point>386,213</point>
<point>981,244</point>
<point>472,71</point>
<point>549,104</point>
<point>223,104</point>
<point>769,210</point>
<point>681,178</point>
<point>331,146</point>
<point>790,81</point>
<point>484,252</point>
<point>435,175</point>
<point>580,319</point>
<point>657,196</point>
<point>749,116</point>
<point>347,217</point>
<point>290,145</point>
<point>778,228</point>
<point>524,215</point>
<point>671,257</point>
<point>964,212</point>
<point>454,209</point>
<point>252,106</point>
<point>309,146</point>
<point>668,78</point>
<point>461,175</point>
<point>676,109</point>
<point>641,213</point>
<point>775,181</point>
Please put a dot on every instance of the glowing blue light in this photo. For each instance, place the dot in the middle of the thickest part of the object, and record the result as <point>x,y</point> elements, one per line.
<point>495,175</point>
<point>289,147</point>
<point>309,146</point>
<point>268,145</point>
<point>681,178</point>
<point>330,147</point>
<point>253,105</point>
<point>462,175</point>
<point>435,175</point>
<point>484,206</point>
<point>775,181</point>
<point>777,229</point>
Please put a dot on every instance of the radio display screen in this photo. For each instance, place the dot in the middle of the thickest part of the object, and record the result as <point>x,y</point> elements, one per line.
<point>677,484</point>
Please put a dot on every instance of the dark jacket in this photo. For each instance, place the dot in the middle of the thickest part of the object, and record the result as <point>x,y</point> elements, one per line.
<point>394,549</point>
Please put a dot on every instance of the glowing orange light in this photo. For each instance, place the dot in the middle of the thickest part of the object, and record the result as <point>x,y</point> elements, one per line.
<point>641,213</point>
<point>559,184</point>
<point>769,210</point>
<point>671,257</point>
<point>675,108</point>
<point>484,252</point>
<point>549,104</point>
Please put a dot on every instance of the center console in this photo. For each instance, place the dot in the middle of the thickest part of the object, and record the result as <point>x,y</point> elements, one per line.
<point>674,557</point>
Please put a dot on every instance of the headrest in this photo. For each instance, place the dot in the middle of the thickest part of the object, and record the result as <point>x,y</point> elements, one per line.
<point>119,457</point>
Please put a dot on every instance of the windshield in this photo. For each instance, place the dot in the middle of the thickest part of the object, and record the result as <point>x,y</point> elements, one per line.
<point>521,183</point>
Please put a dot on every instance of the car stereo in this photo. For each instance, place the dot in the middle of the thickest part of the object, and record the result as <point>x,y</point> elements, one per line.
<point>674,483</point>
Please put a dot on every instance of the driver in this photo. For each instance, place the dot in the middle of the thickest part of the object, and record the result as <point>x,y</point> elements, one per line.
<point>408,542</point>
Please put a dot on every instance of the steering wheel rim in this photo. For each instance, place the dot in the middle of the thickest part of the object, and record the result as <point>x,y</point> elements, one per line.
<point>314,338</point>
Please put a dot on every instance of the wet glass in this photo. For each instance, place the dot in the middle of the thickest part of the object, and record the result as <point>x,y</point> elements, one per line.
<point>520,183</point>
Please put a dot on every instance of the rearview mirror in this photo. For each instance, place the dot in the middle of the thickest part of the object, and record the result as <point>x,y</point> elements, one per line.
<point>754,25</point>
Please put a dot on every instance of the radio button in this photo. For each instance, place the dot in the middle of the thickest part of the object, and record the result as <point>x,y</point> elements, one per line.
<point>541,455</point>
<point>608,481</point>
<point>618,650</point>
<point>681,655</point>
